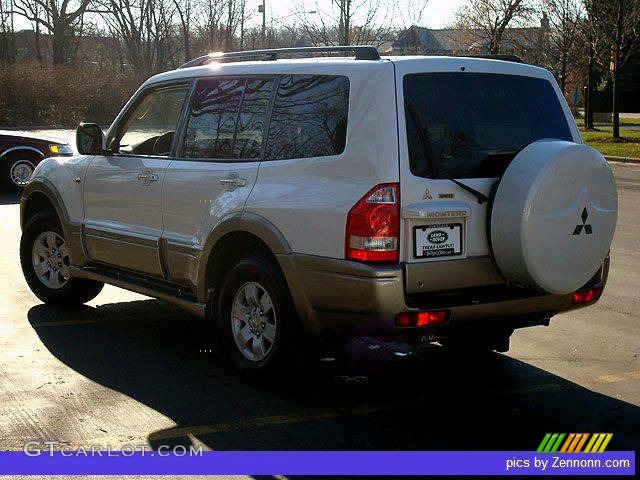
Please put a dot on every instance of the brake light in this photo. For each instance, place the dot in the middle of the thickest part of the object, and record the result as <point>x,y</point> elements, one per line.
<point>586,296</point>
<point>373,226</point>
<point>422,319</point>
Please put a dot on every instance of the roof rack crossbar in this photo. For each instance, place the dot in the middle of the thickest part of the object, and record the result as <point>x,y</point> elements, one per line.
<point>362,52</point>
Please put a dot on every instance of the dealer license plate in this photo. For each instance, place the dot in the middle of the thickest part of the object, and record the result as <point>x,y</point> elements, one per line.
<point>441,240</point>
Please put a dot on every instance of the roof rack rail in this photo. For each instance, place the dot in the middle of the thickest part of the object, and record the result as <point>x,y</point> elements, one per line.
<point>362,52</point>
<point>497,56</point>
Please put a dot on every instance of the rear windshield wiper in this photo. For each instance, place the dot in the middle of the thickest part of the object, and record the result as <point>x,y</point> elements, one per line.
<point>482,198</point>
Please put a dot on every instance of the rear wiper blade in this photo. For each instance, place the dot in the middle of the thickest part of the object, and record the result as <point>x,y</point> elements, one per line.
<point>482,198</point>
<point>505,151</point>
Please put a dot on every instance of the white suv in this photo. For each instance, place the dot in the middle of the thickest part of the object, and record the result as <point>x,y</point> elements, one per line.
<point>444,199</point>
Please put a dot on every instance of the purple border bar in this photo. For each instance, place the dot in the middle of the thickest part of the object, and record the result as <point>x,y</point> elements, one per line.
<point>305,463</point>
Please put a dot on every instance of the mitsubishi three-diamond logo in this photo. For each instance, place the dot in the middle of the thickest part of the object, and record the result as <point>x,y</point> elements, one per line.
<point>584,226</point>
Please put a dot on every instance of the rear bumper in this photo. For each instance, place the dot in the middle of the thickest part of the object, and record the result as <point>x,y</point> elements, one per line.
<point>339,296</point>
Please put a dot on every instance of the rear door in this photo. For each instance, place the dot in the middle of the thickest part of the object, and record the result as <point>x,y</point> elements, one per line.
<point>123,189</point>
<point>219,155</point>
<point>461,123</point>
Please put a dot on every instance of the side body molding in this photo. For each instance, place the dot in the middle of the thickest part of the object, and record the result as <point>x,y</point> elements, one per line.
<point>238,222</point>
<point>72,230</point>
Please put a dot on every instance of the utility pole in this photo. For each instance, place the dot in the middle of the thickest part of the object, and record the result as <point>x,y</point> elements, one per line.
<point>263,9</point>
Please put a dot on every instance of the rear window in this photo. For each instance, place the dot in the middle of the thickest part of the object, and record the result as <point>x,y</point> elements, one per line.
<point>309,117</point>
<point>471,125</point>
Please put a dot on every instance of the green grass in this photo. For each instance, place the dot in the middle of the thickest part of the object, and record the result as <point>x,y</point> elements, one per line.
<point>602,141</point>
<point>624,122</point>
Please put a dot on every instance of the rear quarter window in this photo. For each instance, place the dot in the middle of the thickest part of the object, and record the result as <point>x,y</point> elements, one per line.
<point>471,125</point>
<point>309,117</point>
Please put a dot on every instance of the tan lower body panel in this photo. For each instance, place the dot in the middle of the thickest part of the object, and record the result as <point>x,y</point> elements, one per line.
<point>334,296</point>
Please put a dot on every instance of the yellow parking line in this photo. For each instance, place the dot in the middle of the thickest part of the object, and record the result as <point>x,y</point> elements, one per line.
<point>621,377</point>
<point>179,432</point>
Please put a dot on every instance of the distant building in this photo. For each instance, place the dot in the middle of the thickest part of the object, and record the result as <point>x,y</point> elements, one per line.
<point>526,42</point>
<point>303,41</point>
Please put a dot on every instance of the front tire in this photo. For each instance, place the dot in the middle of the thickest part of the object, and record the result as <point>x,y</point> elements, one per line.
<point>257,320</point>
<point>44,256</point>
<point>17,170</point>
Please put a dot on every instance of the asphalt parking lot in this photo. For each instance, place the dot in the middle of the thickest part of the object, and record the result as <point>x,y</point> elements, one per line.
<point>130,370</point>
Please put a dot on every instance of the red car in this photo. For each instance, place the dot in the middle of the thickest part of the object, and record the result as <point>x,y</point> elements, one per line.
<point>20,152</point>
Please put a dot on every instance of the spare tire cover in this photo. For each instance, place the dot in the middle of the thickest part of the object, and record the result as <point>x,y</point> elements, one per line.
<point>553,216</point>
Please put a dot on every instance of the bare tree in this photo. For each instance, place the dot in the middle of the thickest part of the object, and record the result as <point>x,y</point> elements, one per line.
<point>487,20</point>
<point>619,23</point>
<point>184,9</point>
<point>7,32</point>
<point>356,22</point>
<point>337,24</point>
<point>146,31</point>
<point>209,30</point>
<point>593,45</point>
<point>222,21</point>
<point>563,46</point>
<point>59,17</point>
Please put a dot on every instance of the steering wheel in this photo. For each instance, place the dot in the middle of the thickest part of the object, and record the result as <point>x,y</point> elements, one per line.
<point>162,145</point>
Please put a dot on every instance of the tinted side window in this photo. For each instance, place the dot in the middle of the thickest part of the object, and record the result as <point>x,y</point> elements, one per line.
<point>212,118</point>
<point>226,118</point>
<point>309,117</point>
<point>257,95</point>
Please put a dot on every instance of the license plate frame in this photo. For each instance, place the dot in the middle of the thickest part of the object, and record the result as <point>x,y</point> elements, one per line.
<point>444,248</point>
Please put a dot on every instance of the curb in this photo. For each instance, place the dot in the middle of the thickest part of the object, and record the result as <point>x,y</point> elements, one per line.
<point>635,161</point>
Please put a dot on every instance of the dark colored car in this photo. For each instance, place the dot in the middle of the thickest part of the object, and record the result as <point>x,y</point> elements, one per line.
<point>20,152</point>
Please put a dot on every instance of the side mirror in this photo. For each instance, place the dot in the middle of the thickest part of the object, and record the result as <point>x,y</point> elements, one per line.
<point>89,139</point>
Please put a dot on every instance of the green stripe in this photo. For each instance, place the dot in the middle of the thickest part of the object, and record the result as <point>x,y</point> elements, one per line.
<point>543,443</point>
<point>552,440</point>
<point>557,444</point>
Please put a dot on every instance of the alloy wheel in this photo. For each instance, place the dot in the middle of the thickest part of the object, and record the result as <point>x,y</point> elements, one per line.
<point>21,172</point>
<point>253,321</point>
<point>50,257</point>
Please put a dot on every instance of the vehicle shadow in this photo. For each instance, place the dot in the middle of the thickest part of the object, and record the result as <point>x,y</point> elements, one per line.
<point>9,197</point>
<point>159,356</point>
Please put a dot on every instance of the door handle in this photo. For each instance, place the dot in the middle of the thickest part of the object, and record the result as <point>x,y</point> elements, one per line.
<point>233,181</point>
<point>152,177</point>
<point>146,177</point>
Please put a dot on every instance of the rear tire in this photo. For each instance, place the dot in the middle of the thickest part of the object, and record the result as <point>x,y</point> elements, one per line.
<point>257,320</point>
<point>44,257</point>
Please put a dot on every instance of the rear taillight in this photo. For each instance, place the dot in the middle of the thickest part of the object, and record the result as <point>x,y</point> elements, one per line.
<point>422,319</point>
<point>373,226</point>
<point>586,296</point>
